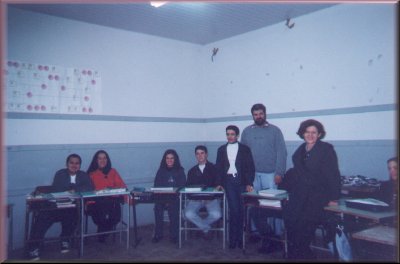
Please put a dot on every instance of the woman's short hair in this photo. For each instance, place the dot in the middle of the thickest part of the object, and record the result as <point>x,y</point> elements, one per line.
<point>234,128</point>
<point>311,122</point>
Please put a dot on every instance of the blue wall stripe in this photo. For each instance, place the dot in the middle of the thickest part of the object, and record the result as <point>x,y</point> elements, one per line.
<point>161,145</point>
<point>335,111</point>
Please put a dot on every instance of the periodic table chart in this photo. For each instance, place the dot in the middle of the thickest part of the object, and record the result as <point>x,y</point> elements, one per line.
<point>42,88</point>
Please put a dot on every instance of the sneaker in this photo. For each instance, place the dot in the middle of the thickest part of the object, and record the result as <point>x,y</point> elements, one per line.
<point>34,254</point>
<point>65,247</point>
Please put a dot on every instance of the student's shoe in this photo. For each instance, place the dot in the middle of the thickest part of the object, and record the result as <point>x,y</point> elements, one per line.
<point>34,254</point>
<point>65,247</point>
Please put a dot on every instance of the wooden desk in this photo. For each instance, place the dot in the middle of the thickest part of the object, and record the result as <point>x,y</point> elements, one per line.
<point>379,234</point>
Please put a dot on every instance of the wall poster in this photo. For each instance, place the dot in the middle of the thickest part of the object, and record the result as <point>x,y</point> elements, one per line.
<point>42,88</point>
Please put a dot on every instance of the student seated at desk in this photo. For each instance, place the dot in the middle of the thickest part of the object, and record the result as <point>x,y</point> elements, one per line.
<point>389,190</point>
<point>205,174</point>
<point>105,211</point>
<point>70,179</point>
<point>169,174</point>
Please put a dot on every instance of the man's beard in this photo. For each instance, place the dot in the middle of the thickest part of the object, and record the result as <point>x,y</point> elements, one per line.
<point>259,121</point>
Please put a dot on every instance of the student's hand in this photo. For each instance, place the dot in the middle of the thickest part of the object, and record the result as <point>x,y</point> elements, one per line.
<point>278,179</point>
<point>249,188</point>
<point>333,203</point>
<point>219,188</point>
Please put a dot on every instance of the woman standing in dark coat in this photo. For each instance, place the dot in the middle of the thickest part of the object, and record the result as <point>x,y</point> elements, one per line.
<point>314,183</point>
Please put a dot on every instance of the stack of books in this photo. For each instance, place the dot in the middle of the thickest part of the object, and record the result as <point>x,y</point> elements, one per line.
<point>194,188</point>
<point>271,203</point>
<point>271,192</point>
<point>162,189</point>
<point>116,190</point>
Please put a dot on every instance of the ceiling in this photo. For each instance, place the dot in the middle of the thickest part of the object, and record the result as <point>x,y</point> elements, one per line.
<point>194,22</point>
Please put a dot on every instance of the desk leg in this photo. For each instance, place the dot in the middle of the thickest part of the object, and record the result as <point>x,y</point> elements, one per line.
<point>137,240</point>
<point>81,229</point>
<point>180,220</point>
<point>128,226</point>
<point>27,222</point>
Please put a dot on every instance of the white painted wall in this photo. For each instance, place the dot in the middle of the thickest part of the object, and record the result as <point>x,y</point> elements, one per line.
<point>141,75</point>
<point>343,56</point>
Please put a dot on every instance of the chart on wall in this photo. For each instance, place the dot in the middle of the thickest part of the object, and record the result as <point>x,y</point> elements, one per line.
<point>43,88</point>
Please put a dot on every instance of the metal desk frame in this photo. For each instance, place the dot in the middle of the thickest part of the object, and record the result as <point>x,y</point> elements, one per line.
<point>183,202</point>
<point>88,195</point>
<point>253,197</point>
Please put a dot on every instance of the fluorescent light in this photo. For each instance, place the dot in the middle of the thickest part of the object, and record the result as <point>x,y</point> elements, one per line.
<point>157,3</point>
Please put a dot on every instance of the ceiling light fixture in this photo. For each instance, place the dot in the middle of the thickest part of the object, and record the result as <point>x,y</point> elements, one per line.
<point>157,3</point>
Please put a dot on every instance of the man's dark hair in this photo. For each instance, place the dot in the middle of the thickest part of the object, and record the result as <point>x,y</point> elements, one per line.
<point>201,147</point>
<point>258,107</point>
<point>74,156</point>
<point>234,128</point>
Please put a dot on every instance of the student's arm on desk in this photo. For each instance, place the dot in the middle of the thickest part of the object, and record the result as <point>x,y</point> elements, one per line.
<point>333,203</point>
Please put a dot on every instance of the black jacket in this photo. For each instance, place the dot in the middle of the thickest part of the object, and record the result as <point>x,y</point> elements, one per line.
<point>244,164</point>
<point>209,177</point>
<point>62,182</point>
<point>313,181</point>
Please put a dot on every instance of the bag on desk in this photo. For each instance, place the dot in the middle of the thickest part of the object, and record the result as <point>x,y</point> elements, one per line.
<point>342,245</point>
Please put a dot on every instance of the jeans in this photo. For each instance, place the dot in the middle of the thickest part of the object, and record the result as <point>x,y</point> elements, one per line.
<point>213,210</point>
<point>234,191</point>
<point>266,181</point>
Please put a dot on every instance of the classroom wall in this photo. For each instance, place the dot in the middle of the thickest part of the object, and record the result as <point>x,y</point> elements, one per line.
<point>336,65</point>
